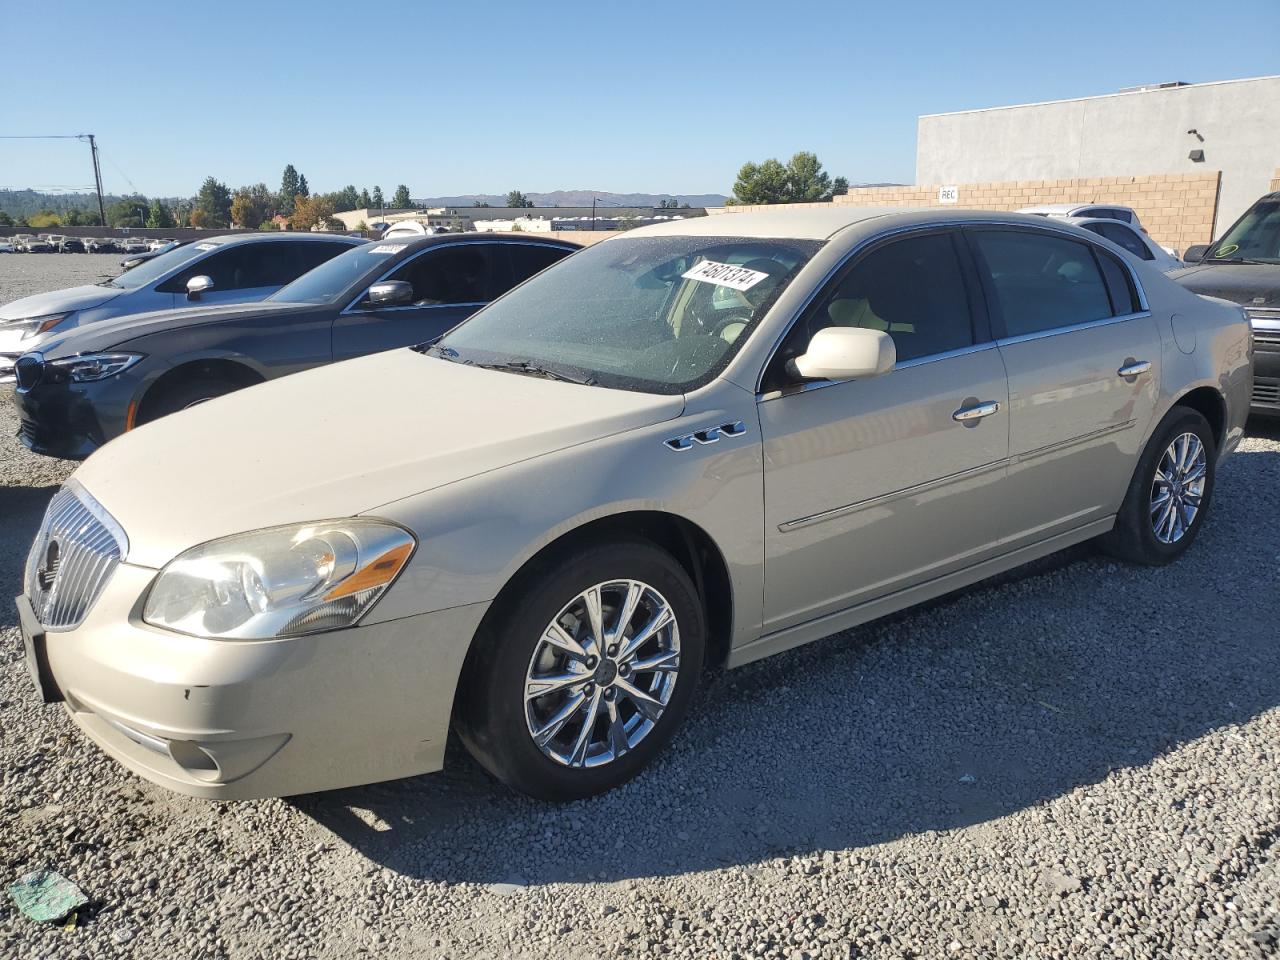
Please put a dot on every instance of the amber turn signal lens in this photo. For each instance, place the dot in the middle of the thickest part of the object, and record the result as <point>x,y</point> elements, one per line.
<point>373,574</point>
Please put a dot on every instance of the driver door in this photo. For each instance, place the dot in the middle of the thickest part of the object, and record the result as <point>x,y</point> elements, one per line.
<point>878,484</point>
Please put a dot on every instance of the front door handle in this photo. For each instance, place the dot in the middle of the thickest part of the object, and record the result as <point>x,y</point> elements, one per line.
<point>976,412</point>
<point>1134,368</point>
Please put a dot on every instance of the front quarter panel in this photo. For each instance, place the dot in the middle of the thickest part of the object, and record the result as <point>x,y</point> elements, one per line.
<point>476,534</point>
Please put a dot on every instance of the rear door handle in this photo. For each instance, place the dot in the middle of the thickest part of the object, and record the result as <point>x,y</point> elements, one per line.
<point>1134,368</point>
<point>976,412</point>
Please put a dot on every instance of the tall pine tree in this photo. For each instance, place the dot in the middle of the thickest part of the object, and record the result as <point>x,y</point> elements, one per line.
<point>288,190</point>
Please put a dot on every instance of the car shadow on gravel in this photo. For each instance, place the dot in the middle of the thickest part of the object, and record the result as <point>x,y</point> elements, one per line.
<point>22,509</point>
<point>984,703</point>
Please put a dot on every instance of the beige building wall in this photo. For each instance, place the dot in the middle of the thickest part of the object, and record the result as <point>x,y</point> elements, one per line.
<point>1176,208</point>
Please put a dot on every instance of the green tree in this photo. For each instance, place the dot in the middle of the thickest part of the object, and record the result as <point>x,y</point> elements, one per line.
<point>481,203</point>
<point>128,212</point>
<point>160,216</point>
<point>669,204</point>
<point>366,201</point>
<point>376,201</point>
<point>46,218</point>
<point>5,219</point>
<point>214,201</point>
<point>303,189</point>
<point>288,189</point>
<point>251,206</point>
<point>400,200</point>
<point>348,198</point>
<point>517,199</point>
<point>800,180</point>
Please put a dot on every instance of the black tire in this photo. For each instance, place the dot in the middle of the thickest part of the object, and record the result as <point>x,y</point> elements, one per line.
<point>1134,537</point>
<point>491,715</point>
<point>186,393</point>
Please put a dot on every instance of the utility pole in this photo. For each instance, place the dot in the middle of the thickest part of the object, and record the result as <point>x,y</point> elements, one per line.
<point>97,177</point>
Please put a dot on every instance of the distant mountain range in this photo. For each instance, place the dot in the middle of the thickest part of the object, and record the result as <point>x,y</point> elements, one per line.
<point>580,198</point>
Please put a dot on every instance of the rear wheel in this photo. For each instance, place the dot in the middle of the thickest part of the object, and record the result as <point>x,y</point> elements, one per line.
<point>1169,494</point>
<point>585,673</point>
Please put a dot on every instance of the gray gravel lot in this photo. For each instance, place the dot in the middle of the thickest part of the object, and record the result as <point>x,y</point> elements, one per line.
<point>1079,760</point>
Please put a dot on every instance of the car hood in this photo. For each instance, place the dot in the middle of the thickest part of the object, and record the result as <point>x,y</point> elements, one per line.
<point>338,441</point>
<point>58,301</point>
<point>1248,284</point>
<point>117,331</point>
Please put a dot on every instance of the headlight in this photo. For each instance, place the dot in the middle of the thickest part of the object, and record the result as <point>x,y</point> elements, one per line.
<point>282,582</point>
<point>30,326</point>
<point>96,366</point>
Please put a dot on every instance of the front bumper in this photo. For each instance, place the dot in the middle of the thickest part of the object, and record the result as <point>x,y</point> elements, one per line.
<point>71,420</point>
<point>233,720</point>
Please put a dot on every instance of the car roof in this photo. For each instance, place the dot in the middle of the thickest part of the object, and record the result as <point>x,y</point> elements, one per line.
<point>809,223</point>
<point>1081,221</point>
<point>415,242</point>
<point>307,237</point>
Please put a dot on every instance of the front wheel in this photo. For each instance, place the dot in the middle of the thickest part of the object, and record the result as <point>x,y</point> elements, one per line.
<point>1169,494</point>
<point>184,395</point>
<point>586,671</point>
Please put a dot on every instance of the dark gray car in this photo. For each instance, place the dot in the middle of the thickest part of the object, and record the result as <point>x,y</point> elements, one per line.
<point>98,381</point>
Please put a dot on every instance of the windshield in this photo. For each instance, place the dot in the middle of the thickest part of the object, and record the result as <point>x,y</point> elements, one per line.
<point>329,281</point>
<point>1255,236</point>
<point>653,314</point>
<point>158,266</point>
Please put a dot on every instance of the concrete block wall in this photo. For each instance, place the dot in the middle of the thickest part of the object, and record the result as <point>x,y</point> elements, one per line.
<point>1176,208</point>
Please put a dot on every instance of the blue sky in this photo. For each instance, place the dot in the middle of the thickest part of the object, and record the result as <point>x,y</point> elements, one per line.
<point>485,96</point>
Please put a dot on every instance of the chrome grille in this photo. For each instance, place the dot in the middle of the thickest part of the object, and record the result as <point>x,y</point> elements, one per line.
<point>1264,392</point>
<point>78,547</point>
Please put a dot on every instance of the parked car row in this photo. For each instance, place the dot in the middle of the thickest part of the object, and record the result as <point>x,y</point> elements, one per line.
<point>57,243</point>
<point>698,443</point>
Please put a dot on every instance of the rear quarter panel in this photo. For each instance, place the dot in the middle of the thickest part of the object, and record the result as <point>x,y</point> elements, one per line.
<point>1205,343</point>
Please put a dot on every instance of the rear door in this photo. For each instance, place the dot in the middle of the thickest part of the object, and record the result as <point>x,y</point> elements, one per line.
<point>450,282</point>
<point>1083,359</point>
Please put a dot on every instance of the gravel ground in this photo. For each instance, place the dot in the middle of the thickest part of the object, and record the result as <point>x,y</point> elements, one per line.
<point>1079,760</point>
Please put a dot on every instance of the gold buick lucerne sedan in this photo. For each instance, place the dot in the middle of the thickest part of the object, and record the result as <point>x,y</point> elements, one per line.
<point>696,444</point>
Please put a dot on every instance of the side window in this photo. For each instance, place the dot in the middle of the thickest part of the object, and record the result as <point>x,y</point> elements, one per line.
<point>454,275</point>
<point>1127,239</point>
<point>1124,299</point>
<point>219,266</point>
<point>1042,282</point>
<point>527,259</point>
<point>311,255</point>
<point>913,289</point>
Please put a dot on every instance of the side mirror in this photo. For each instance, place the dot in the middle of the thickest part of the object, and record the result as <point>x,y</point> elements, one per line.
<point>1195,253</point>
<point>846,353</point>
<point>391,293</point>
<point>197,286</point>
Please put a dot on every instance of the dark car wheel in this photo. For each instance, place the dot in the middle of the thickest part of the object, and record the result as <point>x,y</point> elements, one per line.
<point>182,395</point>
<point>585,672</point>
<point>1169,494</point>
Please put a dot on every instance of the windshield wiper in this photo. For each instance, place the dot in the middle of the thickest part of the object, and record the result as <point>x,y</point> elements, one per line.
<point>512,366</point>
<point>1246,260</point>
<point>533,370</point>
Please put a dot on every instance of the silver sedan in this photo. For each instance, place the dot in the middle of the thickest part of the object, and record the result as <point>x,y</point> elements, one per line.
<point>698,443</point>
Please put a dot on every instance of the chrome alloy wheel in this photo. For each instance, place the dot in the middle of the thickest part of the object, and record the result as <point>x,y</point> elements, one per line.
<point>602,673</point>
<point>1178,488</point>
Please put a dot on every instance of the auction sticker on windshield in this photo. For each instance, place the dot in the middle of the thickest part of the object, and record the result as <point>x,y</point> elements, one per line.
<point>724,275</point>
<point>388,248</point>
